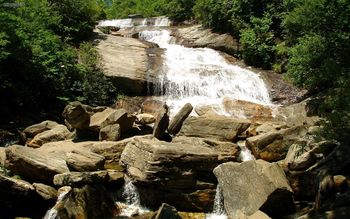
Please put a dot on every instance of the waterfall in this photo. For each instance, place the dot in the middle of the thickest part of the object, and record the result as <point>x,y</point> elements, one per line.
<point>52,213</point>
<point>245,154</point>
<point>201,76</point>
<point>137,22</point>
<point>132,205</point>
<point>218,209</point>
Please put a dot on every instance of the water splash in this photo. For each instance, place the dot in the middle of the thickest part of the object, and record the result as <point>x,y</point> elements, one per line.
<point>52,213</point>
<point>246,154</point>
<point>218,209</point>
<point>132,205</point>
<point>201,76</point>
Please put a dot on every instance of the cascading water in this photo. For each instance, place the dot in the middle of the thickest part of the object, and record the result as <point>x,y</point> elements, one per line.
<point>136,22</point>
<point>132,205</point>
<point>201,76</point>
<point>218,209</point>
<point>245,154</point>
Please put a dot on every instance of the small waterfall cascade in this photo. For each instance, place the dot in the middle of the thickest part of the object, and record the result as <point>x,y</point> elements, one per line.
<point>218,209</point>
<point>52,213</point>
<point>245,154</point>
<point>132,205</point>
<point>137,22</point>
<point>201,76</point>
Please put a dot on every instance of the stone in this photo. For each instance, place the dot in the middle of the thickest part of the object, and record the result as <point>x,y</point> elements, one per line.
<point>33,130</point>
<point>58,133</point>
<point>220,128</point>
<point>324,147</point>
<point>256,215</point>
<point>80,160</point>
<point>161,124</point>
<point>99,119</point>
<point>303,162</point>
<point>340,183</point>
<point>179,118</point>
<point>90,202</point>
<point>128,64</point>
<point>2,156</point>
<point>110,133</point>
<point>253,185</point>
<point>48,193</point>
<point>34,164</point>
<point>122,118</point>
<point>167,212</point>
<point>207,110</point>
<point>80,178</point>
<point>77,115</point>
<point>274,145</point>
<point>246,109</point>
<point>145,119</point>
<point>151,106</point>
<point>192,215</point>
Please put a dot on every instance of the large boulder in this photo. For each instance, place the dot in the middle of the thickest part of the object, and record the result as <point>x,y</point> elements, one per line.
<point>99,119</point>
<point>34,164</point>
<point>77,179</point>
<point>35,129</point>
<point>110,133</point>
<point>246,109</point>
<point>48,193</point>
<point>80,160</point>
<point>253,185</point>
<point>274,145</point>
<point>57,133</point>
<point>128,63</point>
<point>77,115</point>
<point>216,127</point>
<point>179,118</point>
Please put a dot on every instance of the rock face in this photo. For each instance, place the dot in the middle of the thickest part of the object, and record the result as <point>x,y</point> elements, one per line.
<point>57,133</point>
<point>161,124</point>
<point>179,118</point>
<point>128,62</point>
<point>33,164</point>
<point>80,160</point>
<point>77,179</point>
<point>35,129</point>
<point>216,127</point>
<point>77,115</point>
<point>110,133</point>
<point>253,185</point>
<point>175,173</point>
<point>197,36</point>
<point>246,109</point>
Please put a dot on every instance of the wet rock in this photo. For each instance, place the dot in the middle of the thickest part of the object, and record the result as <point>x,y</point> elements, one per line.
<point>80,178</point>
<point>48,193</point>
<point>167,212</point>
<point>161,124</point>
<point>57,133</point>
<point>261,186</point>
<point>145,119</point>
<point>246,109</point>
<point>79,160</point>
<point>274,145</point>
<point>216,127</point>
<point>127,62</point>
<point>33,130</point>
<point>192,215</point>
<point>34,164</point>
<point>90,202</point>
<point>256,215</point>
<point>110,133</point>
<point>77,115</point>
<point>179,118</point>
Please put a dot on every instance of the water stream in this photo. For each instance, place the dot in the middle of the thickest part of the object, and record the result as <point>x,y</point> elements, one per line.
<point>201,76</point>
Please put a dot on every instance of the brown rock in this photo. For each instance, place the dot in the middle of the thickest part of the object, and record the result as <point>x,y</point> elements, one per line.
<point>99,119</point>
<point>77,115</point>
<point>179,118</point>
<point>80,178</point>
<point>152,106</point>
<point>79,160</point>
<point>246,109</point>
<point>110,133</point>
<point>57,133</point>
<point>33,130</point>
<point>167,212</point>
<point>161,124</point>
<point>48,193</point>
<point>145,119</point>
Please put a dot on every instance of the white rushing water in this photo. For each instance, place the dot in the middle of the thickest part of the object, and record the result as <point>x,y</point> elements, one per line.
<point>132,205</point>
<point>52,213</point>
<point>218,209</point>
<point>245,154</point>
<point>201,76</point>
<point>136,22</point>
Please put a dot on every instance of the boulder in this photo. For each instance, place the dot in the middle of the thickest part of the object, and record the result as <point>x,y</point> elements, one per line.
<point>246,109</point>
<point>57,133</point>
<point>151,106</point>
<point>33,130</point>
<point>340,183</point>
<point>77,115</point>
<point>145,119</point>
<point>80,160</point>
<point>179,118</point>
<point>48,193</point>
<point>110,133</point>
<point>34,164</point>
<point>221,128</point>
<point>303,162</point>
<point>2,156</point>
<point>167,212</point>
<point>161,124</point>
<point>253,185</point>
<point>128,63</point>
<point>90,202</point>
<point>99,119</point>
<point>208,110</point>
<point>77,179</point>
<point>122,118</point>
<point>274,145</point>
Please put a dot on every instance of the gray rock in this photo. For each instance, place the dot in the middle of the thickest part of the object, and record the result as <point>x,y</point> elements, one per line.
<point>216,127</point>
<point>179,118</point>
<point>161,124</point>
<point>80,160</point>
<point>253,185</point>
<point>33,130</point>
<point>34,164</point>
<point>110,133</point>
<point>57,133</point>
<point>167,212</point>
<point>145,119</point>
<point>303,162</point>
<point>48,193</point>
<point>99,119</point>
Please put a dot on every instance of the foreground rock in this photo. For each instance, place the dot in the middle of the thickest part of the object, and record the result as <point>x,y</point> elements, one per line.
<point>216,127</point>
<point>253,185</point>
<point>34,164</point>
<point>57,133</point>
<point>80,160</point>
<point>246,109</point>
<point>35,129</point>
<point>161,170</point>
<point>128,62</point>
<point>179,118</point>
